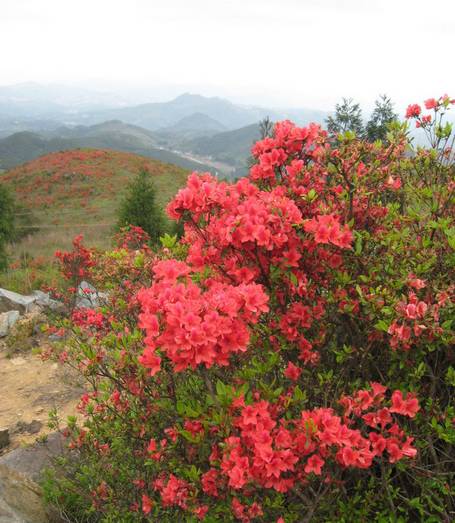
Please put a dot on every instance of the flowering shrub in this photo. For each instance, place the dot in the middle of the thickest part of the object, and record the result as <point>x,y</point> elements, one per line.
<point>291,359</point>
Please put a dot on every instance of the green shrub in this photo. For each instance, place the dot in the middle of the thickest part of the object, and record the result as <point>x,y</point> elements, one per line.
<point>292,358</point>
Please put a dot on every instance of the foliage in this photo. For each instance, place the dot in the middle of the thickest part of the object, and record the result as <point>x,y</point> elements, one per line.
<point>139,207</point>
<point>383,115</point>
<point>28,274</point>
<point>347,117</point>
<point>291,358</point>
<point>75,265</point>
<point>265,128</point>
<point>6,223</point>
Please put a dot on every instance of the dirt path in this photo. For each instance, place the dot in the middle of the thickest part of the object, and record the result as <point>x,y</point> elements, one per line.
<point>29,389</point>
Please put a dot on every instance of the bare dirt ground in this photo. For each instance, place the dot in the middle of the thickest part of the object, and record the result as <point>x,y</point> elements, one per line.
<point>29,389</point>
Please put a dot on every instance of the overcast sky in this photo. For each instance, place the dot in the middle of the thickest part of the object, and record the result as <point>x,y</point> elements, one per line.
<point>280,52</point>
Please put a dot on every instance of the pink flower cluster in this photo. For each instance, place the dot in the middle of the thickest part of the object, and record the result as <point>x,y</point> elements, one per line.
<point>416,318</point>
<point>432,104</point>
<point>173,491</point>
<point>288,140</point>
<point>88,318</point>
<point>240,218</point>
<point>327,229</point>
<point>276,453</point>
<point>194,325</point>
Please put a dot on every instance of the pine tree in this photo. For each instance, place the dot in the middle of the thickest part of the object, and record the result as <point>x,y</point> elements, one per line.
<point>347,117</point>
<point>6,223</point>
<point>139,207</point>
<point>382,116</point>
<point>266,127</point>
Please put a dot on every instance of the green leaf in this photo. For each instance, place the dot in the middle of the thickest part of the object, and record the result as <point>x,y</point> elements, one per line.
<point>358,245</point>
<point>382,325</point>
<point>168,241</point>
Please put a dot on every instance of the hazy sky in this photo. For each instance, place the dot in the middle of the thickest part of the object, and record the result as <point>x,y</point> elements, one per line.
<point>281,52</point>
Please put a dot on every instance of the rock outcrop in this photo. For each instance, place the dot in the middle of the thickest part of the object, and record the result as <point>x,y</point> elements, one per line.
<point>20,495</point>
<point>12,301</point>
<point>7,320</point>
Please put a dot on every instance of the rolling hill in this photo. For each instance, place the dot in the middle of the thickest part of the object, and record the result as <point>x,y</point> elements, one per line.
<point>25,146</point>
<point>66,193</point>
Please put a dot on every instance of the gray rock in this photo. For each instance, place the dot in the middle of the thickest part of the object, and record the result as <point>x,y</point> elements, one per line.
<point>12,301</point>
<point>32,460</point>
<point>88,296</point>
<point>43,300</point>
<point>20,499</point>
<point>7,320</point>
<point>20,470</point>
<point>4,438</point>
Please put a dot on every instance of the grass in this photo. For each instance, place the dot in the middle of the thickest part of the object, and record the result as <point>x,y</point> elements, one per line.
<point>67,193</point>
<point>25,280</point>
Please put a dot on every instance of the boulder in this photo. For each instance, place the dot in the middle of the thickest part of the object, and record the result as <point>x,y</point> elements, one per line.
<point>12,301</point>
<point>20,499</point>
<point>88,296</point>
<point>44,301</point>
<point>7,320</point>
<point>32,460</point>
<point>20,470</point>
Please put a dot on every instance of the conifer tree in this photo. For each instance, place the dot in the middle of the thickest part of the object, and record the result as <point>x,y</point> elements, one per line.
<point>347,117</point>
<point>266,127</point>
<point>382,116</point>
<point>139,207</point>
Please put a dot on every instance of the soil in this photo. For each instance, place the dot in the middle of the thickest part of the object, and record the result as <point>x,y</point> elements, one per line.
<point>29,389</point>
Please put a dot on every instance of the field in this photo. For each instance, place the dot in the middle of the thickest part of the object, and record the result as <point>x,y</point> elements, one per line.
<point>67,193</point>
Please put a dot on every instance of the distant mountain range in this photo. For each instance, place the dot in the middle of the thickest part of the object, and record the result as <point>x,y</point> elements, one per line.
<point>192,131</point>
<point>71,105</point>
<point>154,116</point>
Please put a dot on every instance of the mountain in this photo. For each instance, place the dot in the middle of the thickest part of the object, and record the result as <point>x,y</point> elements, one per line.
<point>66,193</point>
<point>165,114</point>
<point>114,129</point>
<point>25,146</point>
<point>21,147</point>
<point>75,105</point>
<point>196,122</point>
<point>194,126</point>
<point>155,116</point>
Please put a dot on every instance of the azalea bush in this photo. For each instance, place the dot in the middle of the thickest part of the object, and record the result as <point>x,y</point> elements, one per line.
<point>291,358</point>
